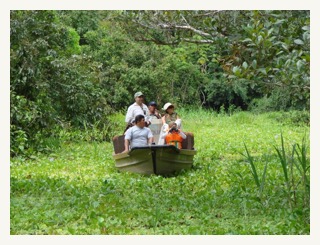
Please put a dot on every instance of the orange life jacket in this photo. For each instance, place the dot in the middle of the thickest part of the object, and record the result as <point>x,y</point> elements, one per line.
<point>175,139</point>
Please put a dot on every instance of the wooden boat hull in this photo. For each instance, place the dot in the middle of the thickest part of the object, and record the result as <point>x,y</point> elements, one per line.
<point>156,159</point>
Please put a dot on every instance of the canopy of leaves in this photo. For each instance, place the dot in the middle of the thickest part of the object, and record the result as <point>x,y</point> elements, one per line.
<point>78,67</point>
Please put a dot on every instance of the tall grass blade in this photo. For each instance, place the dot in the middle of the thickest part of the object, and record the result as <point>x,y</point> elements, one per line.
<point>303,157</point>
<point>292,161</point>
<point>253,168</point>
<point>283,159</point>
<point>263,177</point>
<point>303,166</point>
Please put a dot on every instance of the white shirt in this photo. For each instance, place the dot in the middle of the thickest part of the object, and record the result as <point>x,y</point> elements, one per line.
<point>135,110</point>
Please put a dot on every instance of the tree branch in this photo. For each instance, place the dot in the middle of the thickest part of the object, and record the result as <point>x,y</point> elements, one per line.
<point>143,39</point>
<point>190,28</point>
<point>209,13</point>
<point>197,41</point>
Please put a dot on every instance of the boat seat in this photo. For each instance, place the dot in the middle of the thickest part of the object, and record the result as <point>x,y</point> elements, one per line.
<point>188,143</point>
<point>118,142</point>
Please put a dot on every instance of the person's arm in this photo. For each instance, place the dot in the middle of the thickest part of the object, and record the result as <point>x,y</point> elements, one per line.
<point>126,145</point>
<point>127,139</point>
<point>150,137</point>
<point>163,119</point>
<point>150,140</point>
<point>178,122</point>
<point>182,134</point>
<point>157,114</point>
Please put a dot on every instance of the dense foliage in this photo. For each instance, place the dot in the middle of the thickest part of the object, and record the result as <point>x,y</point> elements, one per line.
<point>247,55</point>
<point>73,75</point>
<point>75,68</point>
<point>77,189</point>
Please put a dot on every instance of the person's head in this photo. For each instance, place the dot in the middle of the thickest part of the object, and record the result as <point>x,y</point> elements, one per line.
<point>138,97</point>
<point>139,121</point>
<point>152,106</point>
<point>168,107</point>
<point>173,127</point>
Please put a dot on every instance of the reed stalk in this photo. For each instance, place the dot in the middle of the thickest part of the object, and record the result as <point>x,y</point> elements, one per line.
<point>303,167</point>
<point>284,163</point>
<point>253,168</point>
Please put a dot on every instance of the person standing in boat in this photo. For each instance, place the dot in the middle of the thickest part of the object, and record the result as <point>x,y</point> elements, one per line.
<point>154,113</point>
<point>174,136</point>
<point>138,135</point>
<point>137,108</point>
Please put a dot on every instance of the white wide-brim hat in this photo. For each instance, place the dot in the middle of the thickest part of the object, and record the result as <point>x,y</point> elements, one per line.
<point>167,105</point>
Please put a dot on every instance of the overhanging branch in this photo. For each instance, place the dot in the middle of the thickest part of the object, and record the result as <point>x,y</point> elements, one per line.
<point>189,28</point>
<point>209,13</point>
<point>196,41</point>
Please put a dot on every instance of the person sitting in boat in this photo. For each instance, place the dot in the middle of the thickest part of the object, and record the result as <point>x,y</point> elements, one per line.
<point>138,135</point>
<point>170,115</point>
<point>154,113</point>
<point>174,136</point>
<point>137,108</point>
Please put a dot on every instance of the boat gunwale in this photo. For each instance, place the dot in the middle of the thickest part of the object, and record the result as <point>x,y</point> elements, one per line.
<point>157,147</point>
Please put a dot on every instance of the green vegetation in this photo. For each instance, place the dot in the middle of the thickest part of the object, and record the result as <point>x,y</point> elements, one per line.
<point>77,190</point>
<point>76,68</point>
<point>239,79</point>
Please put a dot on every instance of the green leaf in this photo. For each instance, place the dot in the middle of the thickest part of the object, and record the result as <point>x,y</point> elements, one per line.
<point>247,40</point>
<point>254,64</point>
<point>236,70</point>
<point>300,64</point>
<point>299,42</point>
<point>95,204</point>
<point>284,46</point>
<point>270,31</point>
<point>280,21</point>
<point>263,71</point>
<point>306,28</point>
<point>306,36</point>
<point>306,57</point>
<point>281,52</point>
<point>100,219</point>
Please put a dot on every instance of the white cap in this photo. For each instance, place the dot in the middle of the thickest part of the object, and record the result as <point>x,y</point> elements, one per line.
<point>165,107</point>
